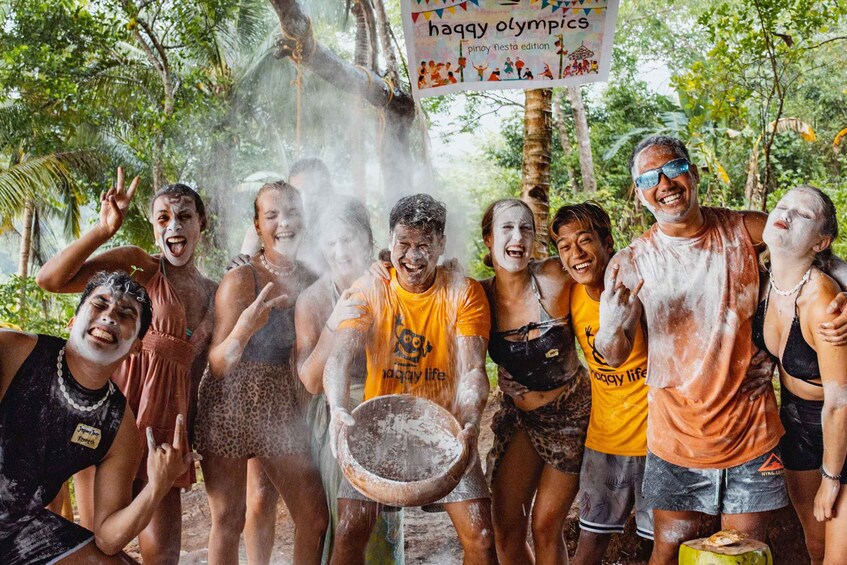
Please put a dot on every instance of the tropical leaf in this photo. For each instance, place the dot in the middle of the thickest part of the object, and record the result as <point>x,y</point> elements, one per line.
<point>623,140</point>
<point>797,125</point>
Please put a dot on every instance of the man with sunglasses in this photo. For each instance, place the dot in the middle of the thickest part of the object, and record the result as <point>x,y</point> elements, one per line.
<point>692,280</point>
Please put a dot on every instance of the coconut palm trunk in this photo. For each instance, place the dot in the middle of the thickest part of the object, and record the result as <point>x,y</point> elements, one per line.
<point>583,139</point>
<point>535,171</point>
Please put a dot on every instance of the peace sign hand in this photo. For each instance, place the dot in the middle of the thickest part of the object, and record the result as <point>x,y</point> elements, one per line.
<point>619,304</point>
<point>114,203</point>
<point>166,462</point>
<point>255,316</point>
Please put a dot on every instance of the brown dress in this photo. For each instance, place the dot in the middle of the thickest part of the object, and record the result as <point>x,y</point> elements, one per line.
<point>157,380</point>
<point>258,409</point>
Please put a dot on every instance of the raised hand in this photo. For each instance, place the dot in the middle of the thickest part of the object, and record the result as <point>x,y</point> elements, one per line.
<point>255,316</point>
<point>339,418</point>
<point>618,304</point>
<point>835,332</point>
<point>114,203</point>
<point>166,462</point>
<point>350,306</point>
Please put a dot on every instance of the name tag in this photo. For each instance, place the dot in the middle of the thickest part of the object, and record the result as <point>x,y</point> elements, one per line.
<point>552,353</point>
<point>87,436</point>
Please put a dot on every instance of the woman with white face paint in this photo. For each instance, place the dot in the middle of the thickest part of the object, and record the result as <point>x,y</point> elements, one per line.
<point>813,372</point>
<point>161,380</point>
<point>251,404</point>
<point>346,243</point>
<point>541,424</point>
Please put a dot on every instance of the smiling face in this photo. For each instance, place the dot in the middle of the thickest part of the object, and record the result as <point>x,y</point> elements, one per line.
<point>106,326</point>
<point>583,253</point>
<point>672,200</point>
<point>279,221</point>
<point>345,249</point>
<point>794,225</point>
<point>414,255</point>
<point>177,227</point>
<point>512,236</point>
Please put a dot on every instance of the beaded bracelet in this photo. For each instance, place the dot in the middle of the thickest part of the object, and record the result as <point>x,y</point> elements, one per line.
<point>826,475</point>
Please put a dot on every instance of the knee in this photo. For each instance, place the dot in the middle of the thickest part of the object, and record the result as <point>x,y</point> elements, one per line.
<point>229,516</point>
<point>353,529</point>
<point>478,541</point>
<point>547,529</point>
<point>262,501</point>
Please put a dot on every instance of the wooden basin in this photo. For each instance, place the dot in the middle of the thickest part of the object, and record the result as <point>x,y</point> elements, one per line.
<point>402,450</point>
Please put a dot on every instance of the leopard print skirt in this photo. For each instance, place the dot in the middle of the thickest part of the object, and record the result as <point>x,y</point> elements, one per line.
<point>556,429</point>
<point>256,410</point>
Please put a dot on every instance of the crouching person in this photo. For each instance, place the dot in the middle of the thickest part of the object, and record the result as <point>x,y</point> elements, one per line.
<point>60,413</point>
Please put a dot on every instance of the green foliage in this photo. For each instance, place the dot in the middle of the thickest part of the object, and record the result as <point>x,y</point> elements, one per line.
<point>39,311</point>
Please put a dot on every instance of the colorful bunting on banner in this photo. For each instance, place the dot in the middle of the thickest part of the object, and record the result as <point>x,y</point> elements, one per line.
<point>427,14</point>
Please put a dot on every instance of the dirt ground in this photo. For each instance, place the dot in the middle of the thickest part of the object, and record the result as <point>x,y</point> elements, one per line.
<point>431,540</point>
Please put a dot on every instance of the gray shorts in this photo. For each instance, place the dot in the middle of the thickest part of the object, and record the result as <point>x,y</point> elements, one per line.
<point>609,488</point>
<point>755,486</point>
<point>472,486</point>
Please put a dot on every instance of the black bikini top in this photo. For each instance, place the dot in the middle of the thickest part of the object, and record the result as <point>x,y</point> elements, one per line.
<point>272,343</point>
<point>540,364</point>
<point>799,360</point>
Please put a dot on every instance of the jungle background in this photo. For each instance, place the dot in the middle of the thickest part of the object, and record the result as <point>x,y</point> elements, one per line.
<point>226,94</point>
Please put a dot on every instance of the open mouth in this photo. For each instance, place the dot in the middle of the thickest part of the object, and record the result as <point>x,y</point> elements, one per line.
<point>413,269</point>
<point>102,335</point>
<point>581,267</point>
<point>670,199</point>
<point>285,235</point>
<point>780,225</point>
<point>176,245</point>
<point>515,251</point>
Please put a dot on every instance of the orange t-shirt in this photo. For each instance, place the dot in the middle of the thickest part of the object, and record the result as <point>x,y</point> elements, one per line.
<point>411,338</point>
<point>618,423</point>
<point>700,295</point>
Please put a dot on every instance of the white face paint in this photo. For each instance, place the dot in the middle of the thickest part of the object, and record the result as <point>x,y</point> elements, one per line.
<point>177,226</point>
<point>106,326</point>
<point>511,239</point>
<point>345,249</point>
<point>794,225</point>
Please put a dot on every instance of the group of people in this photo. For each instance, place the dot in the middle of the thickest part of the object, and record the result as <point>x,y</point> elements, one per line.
<point>261,373</point>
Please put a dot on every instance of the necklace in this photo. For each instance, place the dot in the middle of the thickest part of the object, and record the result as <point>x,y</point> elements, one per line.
<point>275,271</point>
<point>73,403</point>
<point>797,287</point>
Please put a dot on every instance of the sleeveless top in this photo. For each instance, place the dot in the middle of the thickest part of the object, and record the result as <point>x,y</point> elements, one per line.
<point>540,364</point>
<point>157,380</point>
<point>43,440</point>
<point>274,342</point>
<point>799,360</point>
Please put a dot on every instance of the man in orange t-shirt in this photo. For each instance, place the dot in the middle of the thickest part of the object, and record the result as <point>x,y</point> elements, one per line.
<point>424,333</point>
<point>711,448</point>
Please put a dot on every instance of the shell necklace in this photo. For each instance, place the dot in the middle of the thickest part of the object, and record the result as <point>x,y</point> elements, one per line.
<point>71,402</point>
<point>791,291</point>
<point>274,270</point>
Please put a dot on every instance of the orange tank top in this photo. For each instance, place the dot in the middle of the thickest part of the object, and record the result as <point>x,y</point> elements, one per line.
<point>700,294</point>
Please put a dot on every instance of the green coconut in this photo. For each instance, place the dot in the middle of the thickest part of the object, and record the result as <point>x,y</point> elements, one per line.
<point>725,548</point>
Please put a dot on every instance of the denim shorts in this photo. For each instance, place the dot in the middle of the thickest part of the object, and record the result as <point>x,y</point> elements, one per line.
<point>609,488</point>
<point>755,486</point>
